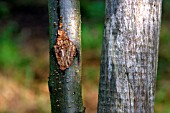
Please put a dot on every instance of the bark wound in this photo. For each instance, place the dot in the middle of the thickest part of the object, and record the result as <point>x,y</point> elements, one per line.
<point>129,56</point>
<point>65,49</point>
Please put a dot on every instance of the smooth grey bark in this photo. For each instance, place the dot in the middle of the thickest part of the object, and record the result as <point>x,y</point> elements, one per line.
<point>65,86</point>
<point>129,56</point>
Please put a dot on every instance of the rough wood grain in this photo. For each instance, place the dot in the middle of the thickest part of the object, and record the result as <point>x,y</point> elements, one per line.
<point>65,86</point>
<point>129,56</point>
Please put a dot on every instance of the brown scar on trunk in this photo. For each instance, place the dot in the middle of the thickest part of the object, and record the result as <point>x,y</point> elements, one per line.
<point>65,49</point>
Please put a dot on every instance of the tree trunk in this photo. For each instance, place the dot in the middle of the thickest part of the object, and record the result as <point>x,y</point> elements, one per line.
<point>129,56</point>
<point>65,84</point>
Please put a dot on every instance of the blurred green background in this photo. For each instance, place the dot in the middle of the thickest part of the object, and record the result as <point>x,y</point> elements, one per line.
<point>24,56</point>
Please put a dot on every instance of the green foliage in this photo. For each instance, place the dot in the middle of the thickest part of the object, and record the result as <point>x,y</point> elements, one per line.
<point>9,54</point>
<point>96,10</point>
<point>163,66</point>
<point>4,9</point>
<point>165,9</point>
<point>93,22</point>
<point>92,11</point>
<point>162,93</point>
<point>92,36</point>
<point>161,100</point>
<point>11,58</point>
<point>164,56</point>
<point>92,73</point>
<point>165,42</point>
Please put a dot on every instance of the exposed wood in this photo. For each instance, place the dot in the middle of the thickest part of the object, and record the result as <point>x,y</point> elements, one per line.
<point>65,85</point>
<point>129,56</point>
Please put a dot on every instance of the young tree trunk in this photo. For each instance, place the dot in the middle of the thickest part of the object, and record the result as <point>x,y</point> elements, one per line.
<point>129,56</point>
<point>65,84</point>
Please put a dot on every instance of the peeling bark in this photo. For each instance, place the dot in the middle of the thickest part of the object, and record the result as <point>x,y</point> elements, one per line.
<point>65,85</point>
<point>129,56</point>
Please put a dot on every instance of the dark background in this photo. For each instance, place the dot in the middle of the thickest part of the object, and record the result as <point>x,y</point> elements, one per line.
<point>24,56</point>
